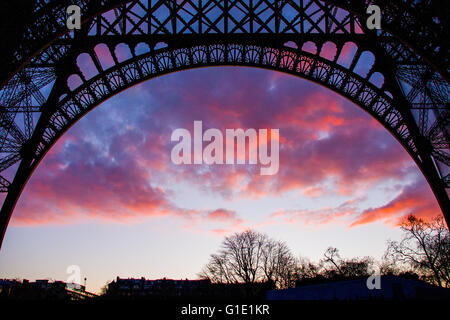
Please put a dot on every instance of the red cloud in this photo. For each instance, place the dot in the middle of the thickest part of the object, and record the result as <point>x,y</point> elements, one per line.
<point>415,199</point>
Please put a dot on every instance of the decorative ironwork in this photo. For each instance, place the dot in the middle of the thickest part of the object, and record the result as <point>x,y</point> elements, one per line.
<point>44,89</point>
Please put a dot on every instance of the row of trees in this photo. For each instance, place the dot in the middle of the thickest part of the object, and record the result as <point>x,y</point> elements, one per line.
<point>251,257</point>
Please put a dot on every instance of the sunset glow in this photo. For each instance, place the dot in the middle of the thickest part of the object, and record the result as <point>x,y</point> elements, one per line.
<point>108,198</point>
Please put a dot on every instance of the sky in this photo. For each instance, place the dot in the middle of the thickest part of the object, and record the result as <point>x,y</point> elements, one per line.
<point>108,198</point>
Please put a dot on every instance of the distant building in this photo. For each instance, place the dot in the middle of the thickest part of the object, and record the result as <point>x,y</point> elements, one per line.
<point>392,288</point>
<point>121,288</point>
<point>173,289</point>
<point>41,290</point>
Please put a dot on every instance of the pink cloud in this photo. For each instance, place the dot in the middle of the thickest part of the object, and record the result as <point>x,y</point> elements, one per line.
<point>222,214</point>
<point>319,216</point>
<point>416,199</point>
<point>115,164</point>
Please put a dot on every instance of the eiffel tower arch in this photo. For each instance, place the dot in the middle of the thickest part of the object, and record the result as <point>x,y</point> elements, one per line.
<point>398,74</point>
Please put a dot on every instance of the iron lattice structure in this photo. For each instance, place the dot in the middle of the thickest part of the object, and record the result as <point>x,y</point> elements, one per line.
<point>399,74</point>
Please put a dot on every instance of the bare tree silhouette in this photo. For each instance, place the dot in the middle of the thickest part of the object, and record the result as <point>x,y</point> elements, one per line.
<point>425,247</point>
<point>251,257</point>
<point>333,266</point>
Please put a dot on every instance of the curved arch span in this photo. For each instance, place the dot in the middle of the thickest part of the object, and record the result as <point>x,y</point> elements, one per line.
<point>71,105</point>
<point>291,40</point>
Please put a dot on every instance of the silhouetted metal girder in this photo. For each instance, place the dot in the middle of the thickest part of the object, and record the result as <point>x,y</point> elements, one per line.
<point>186,39</point>
<point>8,126</point>
<point>52,47</point>
<point>8,161</point>
<point>4,184</point>
<point>410,24</point>
<point>421,25</point>
<point>20,109</point>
